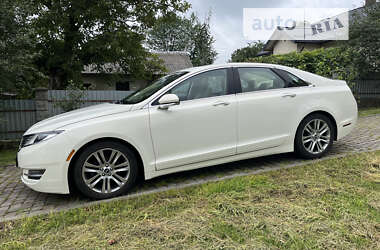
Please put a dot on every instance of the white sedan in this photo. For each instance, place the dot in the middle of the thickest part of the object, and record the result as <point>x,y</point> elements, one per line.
<point>189,119</point>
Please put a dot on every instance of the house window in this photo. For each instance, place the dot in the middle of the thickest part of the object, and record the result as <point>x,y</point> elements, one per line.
<point>122,86</point>
<point>87,85</point>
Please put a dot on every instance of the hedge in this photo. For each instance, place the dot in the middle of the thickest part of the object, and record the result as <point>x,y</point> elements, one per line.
<point>334,63</point>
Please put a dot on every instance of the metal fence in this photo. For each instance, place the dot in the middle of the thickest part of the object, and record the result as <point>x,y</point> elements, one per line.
<point>16,116</point>
<point>367,89</point>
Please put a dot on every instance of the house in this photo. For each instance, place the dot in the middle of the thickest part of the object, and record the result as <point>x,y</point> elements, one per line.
<point>278,46</point>
<point>117,80</point>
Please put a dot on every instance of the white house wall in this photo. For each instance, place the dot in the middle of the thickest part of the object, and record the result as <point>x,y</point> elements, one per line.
<point>284,47</point>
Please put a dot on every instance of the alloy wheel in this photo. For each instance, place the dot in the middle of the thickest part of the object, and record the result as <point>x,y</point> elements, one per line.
<point>316,136</point>
<point>106,170</point>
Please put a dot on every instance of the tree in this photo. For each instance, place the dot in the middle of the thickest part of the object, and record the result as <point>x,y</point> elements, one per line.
<point>17,51</point>
<point>179,33</point>
<point>104,33</point>
<point>246,53</point>
<point>170,33</point>
<point>202,51</point>
<point>365,39</point>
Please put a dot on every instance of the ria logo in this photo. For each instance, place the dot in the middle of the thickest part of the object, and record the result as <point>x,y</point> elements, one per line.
<point>326,26</point>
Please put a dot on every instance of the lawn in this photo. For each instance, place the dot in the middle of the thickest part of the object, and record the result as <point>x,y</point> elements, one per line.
<point>369,111</point>
<point>329,204</point>
<point>8,157</point>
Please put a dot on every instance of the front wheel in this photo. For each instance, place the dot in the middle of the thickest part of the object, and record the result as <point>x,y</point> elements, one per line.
<point>105,170</point>
<point>314,137</point>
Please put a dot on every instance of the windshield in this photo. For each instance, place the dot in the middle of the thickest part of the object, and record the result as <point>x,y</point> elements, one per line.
<point>149,90</point>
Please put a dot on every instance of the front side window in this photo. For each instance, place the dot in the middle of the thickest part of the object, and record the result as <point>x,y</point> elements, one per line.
<point>208,84</point>
<point>256,79</point>
<point>149,90</point>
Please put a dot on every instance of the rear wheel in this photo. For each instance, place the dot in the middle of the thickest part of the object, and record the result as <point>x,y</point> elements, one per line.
<point>105,170</point>
<point>314,137</point>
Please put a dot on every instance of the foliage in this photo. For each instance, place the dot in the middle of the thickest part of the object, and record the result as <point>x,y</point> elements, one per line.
<point>170,33</point>
<point>7,157</point>
<point>369,111</point>
<point>331,62</point>
<point>246,53</point>
<point>329,204</point>
<point>179,33</point>
<point>154,67</point>
<point>365,39</point>
<point>73,98</point>
<point>17,50</point>
<point>202,52</point>
<point>75,33</point>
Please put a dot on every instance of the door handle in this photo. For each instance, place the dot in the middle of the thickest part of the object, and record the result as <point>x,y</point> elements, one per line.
<point>289,95</point>
<point>221,104</point>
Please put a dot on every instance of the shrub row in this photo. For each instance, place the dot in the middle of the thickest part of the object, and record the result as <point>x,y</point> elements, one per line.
<point>334,63</point>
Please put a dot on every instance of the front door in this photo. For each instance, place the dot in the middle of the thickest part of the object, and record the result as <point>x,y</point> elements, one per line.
<point>202,127</point>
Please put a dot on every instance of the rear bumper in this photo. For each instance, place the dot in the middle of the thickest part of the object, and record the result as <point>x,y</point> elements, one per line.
<point>345,127</point>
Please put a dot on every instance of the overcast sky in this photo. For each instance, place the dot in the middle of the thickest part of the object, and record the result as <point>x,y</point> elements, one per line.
<point>227,18</point>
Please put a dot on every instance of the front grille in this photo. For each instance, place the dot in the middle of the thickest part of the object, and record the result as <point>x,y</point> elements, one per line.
<point>33,174</point>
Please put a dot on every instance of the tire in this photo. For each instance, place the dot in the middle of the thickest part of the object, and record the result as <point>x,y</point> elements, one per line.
<point>314,137</point>
<point>105,169</point>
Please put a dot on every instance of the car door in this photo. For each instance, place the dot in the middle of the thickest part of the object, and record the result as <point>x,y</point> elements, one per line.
<point>266,109</point>
<point>202,127</point>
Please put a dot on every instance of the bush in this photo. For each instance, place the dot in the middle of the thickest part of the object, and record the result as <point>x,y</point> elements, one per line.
<point>334,63</point>
<point>73,99</point>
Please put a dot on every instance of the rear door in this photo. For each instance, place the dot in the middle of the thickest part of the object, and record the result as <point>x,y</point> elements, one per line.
<point>265,109</point>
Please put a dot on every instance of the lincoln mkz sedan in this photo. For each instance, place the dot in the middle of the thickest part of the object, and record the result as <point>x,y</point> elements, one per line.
<point>189,119</point>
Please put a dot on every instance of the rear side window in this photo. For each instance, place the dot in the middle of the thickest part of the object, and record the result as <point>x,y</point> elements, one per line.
<point>293,81</point>
<point>256,79</point>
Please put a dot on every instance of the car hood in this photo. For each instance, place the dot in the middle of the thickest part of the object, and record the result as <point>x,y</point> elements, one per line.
<point>59,121</point>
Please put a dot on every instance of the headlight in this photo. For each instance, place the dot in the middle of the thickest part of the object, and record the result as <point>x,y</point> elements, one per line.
<point>28,140</point>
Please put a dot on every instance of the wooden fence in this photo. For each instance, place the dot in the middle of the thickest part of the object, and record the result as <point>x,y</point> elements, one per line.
<point>16,116</point>
<point>91,97</point>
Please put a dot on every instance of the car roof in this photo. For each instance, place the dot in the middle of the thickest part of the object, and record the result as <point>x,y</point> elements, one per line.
<point>215,66</point>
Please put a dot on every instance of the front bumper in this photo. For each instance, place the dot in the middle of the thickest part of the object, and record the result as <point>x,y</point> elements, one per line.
<point>50,157</point>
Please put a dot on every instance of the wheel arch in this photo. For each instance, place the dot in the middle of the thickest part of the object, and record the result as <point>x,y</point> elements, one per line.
<point>329,115</point>
<point>141,171</point>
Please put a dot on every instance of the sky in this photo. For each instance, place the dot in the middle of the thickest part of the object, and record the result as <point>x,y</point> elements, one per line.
<point>227,18</point>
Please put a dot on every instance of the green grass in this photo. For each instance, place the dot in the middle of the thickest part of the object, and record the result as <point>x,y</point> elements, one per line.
<point>333,204</point>
<point>8,157</point>
<point>369,111</point>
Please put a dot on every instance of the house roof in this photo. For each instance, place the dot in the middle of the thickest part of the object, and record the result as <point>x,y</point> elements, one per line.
<point>264,53</point>
<point>173,61</point>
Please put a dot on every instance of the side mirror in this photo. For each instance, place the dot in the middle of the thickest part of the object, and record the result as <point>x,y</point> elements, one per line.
<point>168,100</point>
